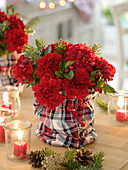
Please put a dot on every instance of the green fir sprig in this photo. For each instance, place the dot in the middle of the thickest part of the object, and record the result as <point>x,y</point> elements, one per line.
<point>31,24</point>
<point>96,48</point>
<point>49,159</point>
<point>60,47</point>
<point>10,10</point>
<point>34,53</point>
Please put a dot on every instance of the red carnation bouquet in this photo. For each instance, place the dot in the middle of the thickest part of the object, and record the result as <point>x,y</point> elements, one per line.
<point>63,70</point>
<point>13,32</point>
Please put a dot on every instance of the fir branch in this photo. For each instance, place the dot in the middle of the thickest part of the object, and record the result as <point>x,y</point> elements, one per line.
<point>60,46</point>
<point>48,152</point>
<point>34,53</point>
<point>40,43</point>
<point>68,162</point>
<point>10,8</point>
<point>31,24</point>
<point>100,103</point>
<point>96,164</point>
<point>71,164</point>
<point>96,48</point>
<point>69,154</point>
<point>3,28</point>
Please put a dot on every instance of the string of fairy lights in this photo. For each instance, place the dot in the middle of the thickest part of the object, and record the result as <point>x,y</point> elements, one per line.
<point>51,4</point>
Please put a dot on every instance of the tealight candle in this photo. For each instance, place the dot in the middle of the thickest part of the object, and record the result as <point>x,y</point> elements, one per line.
<point>10,99</point>
<point>118,107</point>
<point>18,133</point>
<point>2,134</point>
<point>121,113</point>
<point>6,103</point>
<point>5,116</point>
<point>20,146</point>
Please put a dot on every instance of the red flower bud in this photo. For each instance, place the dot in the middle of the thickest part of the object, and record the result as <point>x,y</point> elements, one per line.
<point>71,67</point>
<point>66,70</point>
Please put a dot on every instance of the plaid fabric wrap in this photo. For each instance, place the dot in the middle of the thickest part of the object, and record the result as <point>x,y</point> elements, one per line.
<point>70,124</point>
<point>6,63</point>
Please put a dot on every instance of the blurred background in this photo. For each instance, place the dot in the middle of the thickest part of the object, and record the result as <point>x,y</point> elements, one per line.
<point>85,21</point>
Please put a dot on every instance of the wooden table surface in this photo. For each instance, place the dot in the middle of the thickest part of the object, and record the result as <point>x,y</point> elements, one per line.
<point>111,139</point>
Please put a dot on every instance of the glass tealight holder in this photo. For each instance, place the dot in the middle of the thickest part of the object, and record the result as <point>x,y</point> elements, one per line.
<point>10,99</point>
<point>18,139</point>
<point>118,107</point>
<point>5,116</point>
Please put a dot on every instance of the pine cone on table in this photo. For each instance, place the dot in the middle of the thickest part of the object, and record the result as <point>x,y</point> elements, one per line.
<point>36,158</point>
<point>53,163</point>
<point>83,156</point>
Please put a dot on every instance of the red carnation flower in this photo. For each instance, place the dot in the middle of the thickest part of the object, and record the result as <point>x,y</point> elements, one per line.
<point>79,85</point>
<point>15,39</point>
<point>105,68</point>
<point>82,55</point>
<point>16,22</point>
<point>22,70</point>
<point>47,92</point>
<point>48,64</point>
<point>3,17</point>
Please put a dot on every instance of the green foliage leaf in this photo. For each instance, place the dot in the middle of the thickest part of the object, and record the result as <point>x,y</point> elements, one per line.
<point>100,103</point>
<point>62,64</point>
<point>48,50</point>
<point>69,63</point>
<point>108,89</point>
<point>100,83</point>
<point>93,73</point>
<point>59,73</point>
<point>69,75</point>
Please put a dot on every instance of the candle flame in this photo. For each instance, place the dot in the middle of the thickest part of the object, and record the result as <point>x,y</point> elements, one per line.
<point>19,132</point>
<point>20,135</point>
<point>121,102</point>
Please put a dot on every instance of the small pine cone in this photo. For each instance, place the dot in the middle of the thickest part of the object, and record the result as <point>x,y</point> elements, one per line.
<point>36,158</point>
<point>83,156</point>
<point>53,163</point>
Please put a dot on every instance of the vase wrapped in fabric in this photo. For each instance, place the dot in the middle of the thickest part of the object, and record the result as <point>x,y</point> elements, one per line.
<point>62,76</point>
<point>70,124</point>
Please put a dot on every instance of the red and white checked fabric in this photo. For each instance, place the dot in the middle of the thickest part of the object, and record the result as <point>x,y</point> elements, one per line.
<point>70,124</point>
<point>6,63</point>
